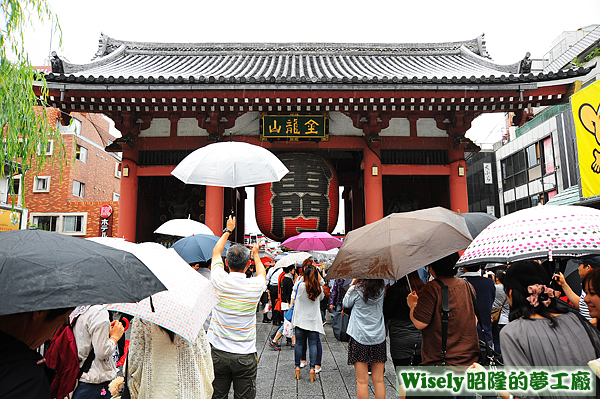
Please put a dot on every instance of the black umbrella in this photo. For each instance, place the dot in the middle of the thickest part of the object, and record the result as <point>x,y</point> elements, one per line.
<point>477,221</point>
<point>42,270</point>
<point>572,275</point>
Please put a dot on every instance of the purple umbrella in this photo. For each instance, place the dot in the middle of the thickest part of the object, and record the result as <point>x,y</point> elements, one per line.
<point>313,241</point>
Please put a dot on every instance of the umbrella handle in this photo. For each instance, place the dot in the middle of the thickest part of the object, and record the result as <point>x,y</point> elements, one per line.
<point>409,287</point>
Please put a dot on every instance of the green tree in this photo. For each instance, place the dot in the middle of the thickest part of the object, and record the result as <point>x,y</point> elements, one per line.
<point>22,113</point>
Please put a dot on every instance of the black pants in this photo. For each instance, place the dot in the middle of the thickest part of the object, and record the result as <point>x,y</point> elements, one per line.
<point>237,368</point>
<point>277,316</point>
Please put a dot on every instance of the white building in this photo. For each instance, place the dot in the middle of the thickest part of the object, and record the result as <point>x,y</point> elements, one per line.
<point>539,160</point>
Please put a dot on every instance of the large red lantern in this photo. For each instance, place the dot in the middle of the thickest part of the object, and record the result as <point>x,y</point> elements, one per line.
<point>306,199</point>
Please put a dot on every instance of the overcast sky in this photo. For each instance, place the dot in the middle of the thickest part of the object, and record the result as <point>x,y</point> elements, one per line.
<point>511,28</point>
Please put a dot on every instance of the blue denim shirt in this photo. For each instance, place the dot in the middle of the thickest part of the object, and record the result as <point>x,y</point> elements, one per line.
<point>366,324</point>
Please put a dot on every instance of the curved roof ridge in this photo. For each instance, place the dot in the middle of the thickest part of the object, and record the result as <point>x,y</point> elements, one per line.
<point>108,45</point>
<point>511,68</point>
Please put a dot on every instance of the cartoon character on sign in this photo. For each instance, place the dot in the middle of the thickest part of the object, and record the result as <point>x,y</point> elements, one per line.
<point>590,119</point>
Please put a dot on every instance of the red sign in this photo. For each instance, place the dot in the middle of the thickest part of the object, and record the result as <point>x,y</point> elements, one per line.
<point>106,211</point>
<point>306,199</point>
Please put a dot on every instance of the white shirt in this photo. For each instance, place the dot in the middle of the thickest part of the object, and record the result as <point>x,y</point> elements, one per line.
<point>274,280</point>
<point>307,313</point>
<point>233,323</point>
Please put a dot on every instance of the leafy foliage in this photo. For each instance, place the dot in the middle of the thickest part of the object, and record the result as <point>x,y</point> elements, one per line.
<point>576,62</point>
<point>593,54</point>
<point>22,115</point>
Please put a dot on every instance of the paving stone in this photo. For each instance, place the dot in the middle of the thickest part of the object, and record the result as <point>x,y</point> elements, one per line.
<point>275,373</point>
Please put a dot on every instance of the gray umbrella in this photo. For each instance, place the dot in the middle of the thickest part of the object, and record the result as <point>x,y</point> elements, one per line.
<point>477,221</point>
<point>400,243</point>
<point>42,270</point>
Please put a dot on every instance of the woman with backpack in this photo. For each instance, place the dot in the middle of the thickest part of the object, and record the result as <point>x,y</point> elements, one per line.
<point>366,329</point>
<point>95,332</point>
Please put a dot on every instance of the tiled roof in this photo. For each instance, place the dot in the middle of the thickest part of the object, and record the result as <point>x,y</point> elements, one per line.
<point>586,42</point>
<point>119,62</point>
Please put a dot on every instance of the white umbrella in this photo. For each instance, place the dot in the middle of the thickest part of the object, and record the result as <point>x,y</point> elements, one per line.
<point>189,297</point>
<point>540,232</point>
<point>291,259</point>
<point>183,228</point>
<point>230,164</point>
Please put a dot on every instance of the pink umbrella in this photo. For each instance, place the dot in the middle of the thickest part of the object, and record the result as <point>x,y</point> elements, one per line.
<point>313,241</point>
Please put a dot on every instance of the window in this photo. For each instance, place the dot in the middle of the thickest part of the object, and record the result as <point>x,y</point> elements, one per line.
<point>523,166</point>
<point>72,224</point>
<point>48,223</point>
<point>66,223</point>
<point>78,189</point>
<point>15,187</point>
<point>41,184</point>
<point>49,148</point>
<point>81,153</point>
<point>117,170</point>
<point>548,157</point>
<point>116,197</point>
<point>533,155</point>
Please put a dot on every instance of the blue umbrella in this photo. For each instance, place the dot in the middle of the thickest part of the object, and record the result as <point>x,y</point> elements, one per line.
<point>197,248</point>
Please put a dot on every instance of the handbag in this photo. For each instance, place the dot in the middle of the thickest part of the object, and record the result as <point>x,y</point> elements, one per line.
<point>339,324</point>
<point>496,313</point>
<point>288,329</point>
<point>290,312</point>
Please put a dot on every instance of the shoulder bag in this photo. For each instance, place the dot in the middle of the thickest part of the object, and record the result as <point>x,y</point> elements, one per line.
<point>496,313</point>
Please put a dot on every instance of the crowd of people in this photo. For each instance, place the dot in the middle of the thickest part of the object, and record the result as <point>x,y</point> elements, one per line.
<point>526,312</point>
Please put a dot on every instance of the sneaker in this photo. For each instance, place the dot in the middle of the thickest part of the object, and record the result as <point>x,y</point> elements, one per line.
<point>274,345</point>
<point>302,365</point>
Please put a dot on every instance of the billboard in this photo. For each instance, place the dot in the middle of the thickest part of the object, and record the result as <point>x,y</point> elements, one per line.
<point>10,219</point>
<point>586,108</point>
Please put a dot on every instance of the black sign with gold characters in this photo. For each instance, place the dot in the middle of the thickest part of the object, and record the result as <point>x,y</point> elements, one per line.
<point>294,127</point>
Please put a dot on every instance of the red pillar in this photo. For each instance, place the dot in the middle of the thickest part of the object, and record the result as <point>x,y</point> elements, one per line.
<point>459,197</point>
<point>373,186</point>
<point>214,209</point>
<point>128,200</point>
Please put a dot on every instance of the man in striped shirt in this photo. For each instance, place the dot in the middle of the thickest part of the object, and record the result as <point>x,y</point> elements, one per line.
<point>586,264</point>
<point>232,331</point>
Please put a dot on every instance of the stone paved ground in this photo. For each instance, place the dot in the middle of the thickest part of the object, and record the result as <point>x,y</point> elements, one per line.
<point>275,377</point>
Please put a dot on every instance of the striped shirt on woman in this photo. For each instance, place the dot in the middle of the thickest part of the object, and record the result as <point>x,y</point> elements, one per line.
<point>233,323</point>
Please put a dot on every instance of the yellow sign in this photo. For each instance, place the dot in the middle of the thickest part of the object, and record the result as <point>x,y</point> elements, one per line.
<point>586,114</point>
<point>10,220</point>
<point>294,127</point>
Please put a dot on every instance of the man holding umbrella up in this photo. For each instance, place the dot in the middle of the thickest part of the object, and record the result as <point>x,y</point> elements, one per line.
<point>232,331</point>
